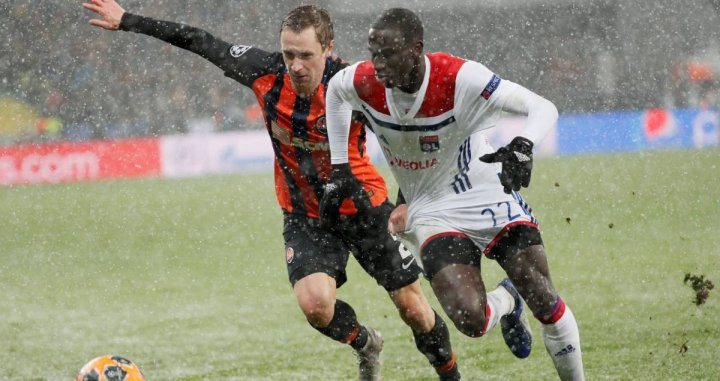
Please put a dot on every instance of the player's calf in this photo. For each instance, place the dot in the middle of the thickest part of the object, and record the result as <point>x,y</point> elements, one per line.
<point>461,293</point>
<point>435,345</point>
<point>452,264</point>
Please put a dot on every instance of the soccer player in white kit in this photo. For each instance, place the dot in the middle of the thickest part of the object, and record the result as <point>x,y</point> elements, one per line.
<point>427,111</point>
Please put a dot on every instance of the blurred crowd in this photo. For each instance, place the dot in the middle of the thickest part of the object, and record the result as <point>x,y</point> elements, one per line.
<point>85,83</point>
<point>79,82</point>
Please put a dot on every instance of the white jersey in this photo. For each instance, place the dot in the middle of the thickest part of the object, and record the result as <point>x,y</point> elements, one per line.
<point>434,146</point>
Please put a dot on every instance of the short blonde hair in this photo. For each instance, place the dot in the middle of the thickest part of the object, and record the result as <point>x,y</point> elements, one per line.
<point>306,16</point>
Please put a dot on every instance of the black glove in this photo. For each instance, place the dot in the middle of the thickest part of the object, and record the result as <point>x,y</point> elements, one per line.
<point>342,184</point>
<point>516,159</point>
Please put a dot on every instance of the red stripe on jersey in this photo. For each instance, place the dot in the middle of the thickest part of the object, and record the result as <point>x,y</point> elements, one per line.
<point>440,93</point>
<point>281,188</point>
<point>285,107</point>
<point>260,87</point>
<point>363,170</point>
<point>368,88</point>
<point>317,130</point>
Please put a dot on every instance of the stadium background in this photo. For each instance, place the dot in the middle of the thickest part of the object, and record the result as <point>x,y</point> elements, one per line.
<point>586,56</point>
<point>186,276</point>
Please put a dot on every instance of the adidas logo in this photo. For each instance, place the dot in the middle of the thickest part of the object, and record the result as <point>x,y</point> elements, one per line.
<point>566,350</point>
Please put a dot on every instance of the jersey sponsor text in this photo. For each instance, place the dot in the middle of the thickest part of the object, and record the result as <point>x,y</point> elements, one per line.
<point>283,136</point>
<point>413,165</point>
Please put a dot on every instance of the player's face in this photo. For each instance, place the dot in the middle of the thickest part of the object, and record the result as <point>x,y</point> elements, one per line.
<point>395,59</point>
<point>304,58</point>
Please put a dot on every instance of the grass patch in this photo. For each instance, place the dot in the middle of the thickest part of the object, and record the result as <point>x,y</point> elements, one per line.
<point>187,278</point>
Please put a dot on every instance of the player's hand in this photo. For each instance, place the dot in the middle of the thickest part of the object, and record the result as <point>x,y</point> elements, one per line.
<point>398,219</point>
<point>110,11</point>
<point>342,185</point>
<point>516,159</point>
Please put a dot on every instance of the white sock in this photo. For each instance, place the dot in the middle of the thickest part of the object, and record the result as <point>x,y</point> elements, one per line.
<point>499,304</point>
<point>562,341</point>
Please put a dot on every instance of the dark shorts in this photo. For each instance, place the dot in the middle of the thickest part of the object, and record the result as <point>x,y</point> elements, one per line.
<point>447,250</point>
<point>310,249</point>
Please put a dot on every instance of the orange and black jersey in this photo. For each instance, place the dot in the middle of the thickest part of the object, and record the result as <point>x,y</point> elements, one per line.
<point>296,125</point>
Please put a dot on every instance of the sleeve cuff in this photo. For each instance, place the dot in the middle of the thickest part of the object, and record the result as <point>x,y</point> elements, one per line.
<point>129,21</point>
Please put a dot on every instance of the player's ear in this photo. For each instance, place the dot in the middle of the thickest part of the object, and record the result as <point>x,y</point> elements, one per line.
<point>329,49</point>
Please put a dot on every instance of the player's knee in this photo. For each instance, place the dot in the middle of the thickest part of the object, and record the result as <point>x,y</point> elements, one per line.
<point>318,316</point>
<point>470,329</point>
<point>318,309</point>
<point>468,323</point>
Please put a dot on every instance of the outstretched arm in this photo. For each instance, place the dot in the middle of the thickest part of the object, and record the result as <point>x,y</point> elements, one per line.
<point>198,41</point>
<point>242,63</point>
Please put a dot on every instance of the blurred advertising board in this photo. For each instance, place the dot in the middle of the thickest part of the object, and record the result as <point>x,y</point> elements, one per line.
<point>215,153</point>
<point>243,151</point>
<point>619,131</point>
<point>68,162</point>
<point>638,130</point>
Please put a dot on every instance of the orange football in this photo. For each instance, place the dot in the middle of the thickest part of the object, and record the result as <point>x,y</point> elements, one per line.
<point>110,368</point>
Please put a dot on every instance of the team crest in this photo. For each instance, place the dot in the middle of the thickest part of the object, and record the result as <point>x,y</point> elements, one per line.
<point>289,254</point>
<point>238,50</point>
<point>430,143</point>
<point>321,125</point>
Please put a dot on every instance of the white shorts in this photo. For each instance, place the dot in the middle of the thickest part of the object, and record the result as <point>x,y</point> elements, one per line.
<point>483,224</point>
